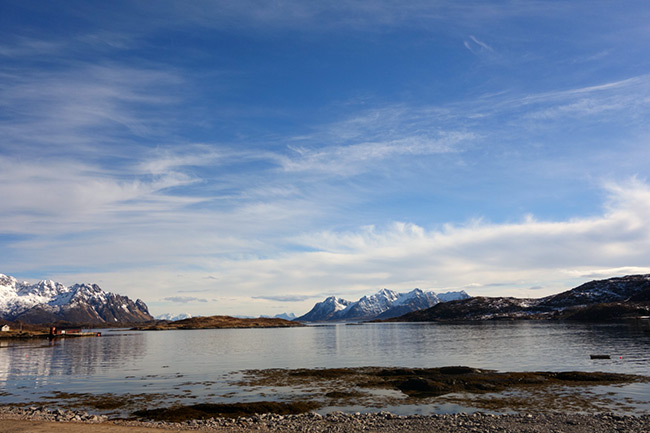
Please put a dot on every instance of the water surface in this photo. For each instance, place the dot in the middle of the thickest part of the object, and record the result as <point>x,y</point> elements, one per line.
<point>198,365</point>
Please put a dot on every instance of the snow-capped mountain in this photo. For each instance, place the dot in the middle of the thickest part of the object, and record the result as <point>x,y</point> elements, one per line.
<point>382,305</point>
<point>285,316</point>
<point>325,310</point>
<point>173,317</point>
<point>48,301</point>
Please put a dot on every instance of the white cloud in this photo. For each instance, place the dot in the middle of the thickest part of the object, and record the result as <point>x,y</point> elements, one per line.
<point>527,258</point>
<point>67,195</point>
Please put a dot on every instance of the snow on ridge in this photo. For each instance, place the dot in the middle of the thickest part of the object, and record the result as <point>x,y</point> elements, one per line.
<point>453,296</point>
<point>405,298</point>
<point>339,304</point>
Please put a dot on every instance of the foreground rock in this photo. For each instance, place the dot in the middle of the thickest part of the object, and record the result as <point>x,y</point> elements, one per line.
<point>31,419</point>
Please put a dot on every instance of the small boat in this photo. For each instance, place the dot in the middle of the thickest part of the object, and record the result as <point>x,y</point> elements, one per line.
<point>600,356</point>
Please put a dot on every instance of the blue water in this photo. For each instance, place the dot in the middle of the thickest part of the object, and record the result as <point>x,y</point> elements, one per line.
<point>200,365</point>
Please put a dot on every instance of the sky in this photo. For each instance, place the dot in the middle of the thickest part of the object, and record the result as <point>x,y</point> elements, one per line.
<point>248,157</point>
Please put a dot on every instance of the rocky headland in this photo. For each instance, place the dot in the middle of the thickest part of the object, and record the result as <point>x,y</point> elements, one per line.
<point>612,299</point>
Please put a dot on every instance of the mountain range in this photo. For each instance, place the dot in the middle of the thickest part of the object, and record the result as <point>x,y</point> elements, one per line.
<point>598,300</point>
<point>170,317</point>
<point>48,302</point>
<point>285,316</point>
<point>384,304</point>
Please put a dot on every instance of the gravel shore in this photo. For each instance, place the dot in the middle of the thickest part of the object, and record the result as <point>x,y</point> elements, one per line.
<point>40,419</point>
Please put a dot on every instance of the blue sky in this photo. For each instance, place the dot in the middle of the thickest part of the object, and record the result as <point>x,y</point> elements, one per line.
<point>246,157</point>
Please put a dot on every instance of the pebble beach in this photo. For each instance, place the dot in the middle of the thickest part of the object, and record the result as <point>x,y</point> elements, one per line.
<point>40,419</point>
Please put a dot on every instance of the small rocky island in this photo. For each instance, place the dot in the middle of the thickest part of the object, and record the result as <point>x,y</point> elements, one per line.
<point>217,322</point>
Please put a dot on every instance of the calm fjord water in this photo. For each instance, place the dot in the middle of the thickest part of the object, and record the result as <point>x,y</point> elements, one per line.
<point>197,365</point>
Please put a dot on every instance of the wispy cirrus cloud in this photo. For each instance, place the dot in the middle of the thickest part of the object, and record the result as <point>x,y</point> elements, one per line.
<point>358,16</point>
<point>358,142</point>
<point>476,46</point>
<point>628,96</point>
<point>39,197</point>
<point>359,157</point>
<point>22,46</point>
<point>82,106</point>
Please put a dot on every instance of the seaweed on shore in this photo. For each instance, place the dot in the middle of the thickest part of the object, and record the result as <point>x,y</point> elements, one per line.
<point>426,382</point>
<point>104,402</point>
<point>457,385</point>
<point>304,390</point>
<point>228,410</point>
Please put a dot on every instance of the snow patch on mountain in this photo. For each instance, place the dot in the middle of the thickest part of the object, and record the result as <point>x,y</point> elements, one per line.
<point>325,310</point>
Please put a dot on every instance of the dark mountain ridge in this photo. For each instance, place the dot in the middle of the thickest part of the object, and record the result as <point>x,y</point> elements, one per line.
<point>598,300</point>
